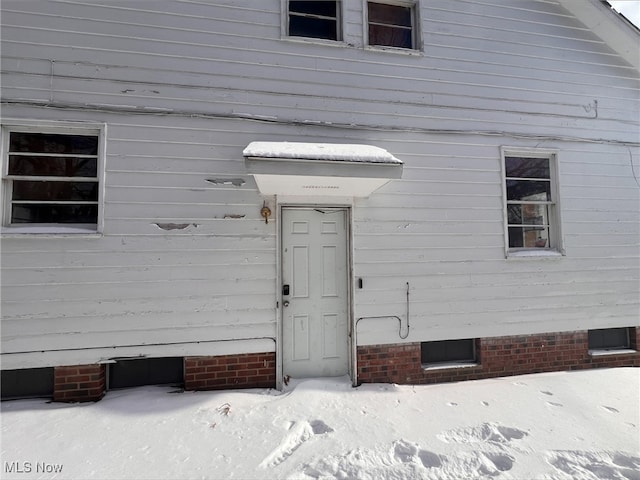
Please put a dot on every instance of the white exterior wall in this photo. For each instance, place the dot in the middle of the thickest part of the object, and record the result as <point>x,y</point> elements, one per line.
<point>183,87</point>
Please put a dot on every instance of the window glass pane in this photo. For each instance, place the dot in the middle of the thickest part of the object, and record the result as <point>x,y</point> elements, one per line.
<point>389,14</point>
<point>389,36</point>
<point>326,8</point>
<point>53,166</point>
<point>146,371</point>
<point>39,213</point>
<point>528,237</point>
<point>53,143</point>
<point>527,214</point>
<point>28,382</point>
<point>448,351</point>
<point>534,214</point>
<point>609,338</point>
<point>532,190</point>
<point>514,214</point>
<point>527,167</point>
<point>55,191</point>
<point>516,237</point>
<point>313,28</point>
<point>460,350</point>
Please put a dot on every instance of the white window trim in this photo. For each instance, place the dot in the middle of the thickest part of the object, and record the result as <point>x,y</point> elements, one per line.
<point>449,365</point>
<point>45,126</point>
<point>415,26</point>
<point>284,27</point>
<point>556,249</point>
<point>602,353</point>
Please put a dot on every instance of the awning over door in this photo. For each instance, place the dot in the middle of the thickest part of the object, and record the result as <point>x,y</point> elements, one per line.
<point>293,168</point>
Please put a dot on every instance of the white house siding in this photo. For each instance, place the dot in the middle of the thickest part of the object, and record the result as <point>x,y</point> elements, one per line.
<point>184,86</point>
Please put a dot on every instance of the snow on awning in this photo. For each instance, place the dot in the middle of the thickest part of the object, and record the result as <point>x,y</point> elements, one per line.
<point>294,168</point>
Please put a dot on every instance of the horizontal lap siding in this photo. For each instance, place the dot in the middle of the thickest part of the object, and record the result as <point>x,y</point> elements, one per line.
<point>450,248</point>
<point>205,66</point>
<point>139,284</point>
<point>502,69</point>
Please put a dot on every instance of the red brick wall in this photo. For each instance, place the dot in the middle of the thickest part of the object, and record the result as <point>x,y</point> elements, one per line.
<point>635,338</point>
<point>251,370</point>
<point>79,383</point>
<point>497,357</point>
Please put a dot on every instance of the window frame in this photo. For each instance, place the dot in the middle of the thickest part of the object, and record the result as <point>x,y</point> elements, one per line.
<point>339,26</point>
<point>473,361</point>
<point>416,38</point>
<point>555,240</point>
<point>56,128</point>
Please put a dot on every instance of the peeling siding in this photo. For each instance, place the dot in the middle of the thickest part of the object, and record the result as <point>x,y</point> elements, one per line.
<point>185,255</point>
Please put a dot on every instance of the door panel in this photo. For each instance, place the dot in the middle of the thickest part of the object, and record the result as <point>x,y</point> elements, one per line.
<point>300,271</point>
<point>315,314</point>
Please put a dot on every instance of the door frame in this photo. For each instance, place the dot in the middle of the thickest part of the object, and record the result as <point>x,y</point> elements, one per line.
<point>351,354</point>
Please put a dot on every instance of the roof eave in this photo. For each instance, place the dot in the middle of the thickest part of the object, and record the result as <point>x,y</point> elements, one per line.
<point>606,23</point>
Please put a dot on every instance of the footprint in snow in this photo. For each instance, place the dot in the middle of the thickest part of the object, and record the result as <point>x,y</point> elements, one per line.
<point>405,459</point>
<point>554,404</point>
<point>487,432</point>
<point>497,462</point>
<point>405,452</point>
<point>402,459</point>
<point>486,404</point>
<point>576,463</point>
<point>298,433</point>
<point>452,404</point>
<point>547,393</point>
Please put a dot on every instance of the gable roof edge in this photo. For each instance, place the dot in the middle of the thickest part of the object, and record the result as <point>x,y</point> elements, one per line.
<point>613,28</point>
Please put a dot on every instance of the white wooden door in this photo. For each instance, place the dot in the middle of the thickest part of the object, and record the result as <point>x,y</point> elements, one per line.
<point>315,292</point>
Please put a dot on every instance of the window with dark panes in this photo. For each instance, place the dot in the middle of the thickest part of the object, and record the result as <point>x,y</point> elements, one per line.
<point>52,178</point>
<point>391,25</point>
<point>609,339</point>
<point>315,19</point>
<point>449,351</point>
<point>529,191</point>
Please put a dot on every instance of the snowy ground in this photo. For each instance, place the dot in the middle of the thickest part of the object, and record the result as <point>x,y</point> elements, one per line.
<point>568,425</point>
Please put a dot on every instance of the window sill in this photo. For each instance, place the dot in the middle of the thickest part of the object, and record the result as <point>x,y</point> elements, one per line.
<point>317,41</point>
<point>619,351</point>
<point>48,231</point>
<point>534,253</point>
<point>448,365</point>
<point>399,50</point>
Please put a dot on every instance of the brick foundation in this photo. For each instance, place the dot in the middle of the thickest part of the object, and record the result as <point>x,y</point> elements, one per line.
<point>252,370</point>
<point>497,357</point>
<point>79,383</point>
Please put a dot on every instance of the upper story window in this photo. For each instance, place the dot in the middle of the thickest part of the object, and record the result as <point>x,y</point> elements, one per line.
<point>392,25</point>
<point>51,178</point>
<point>315,19</point>
<point>532,210</point>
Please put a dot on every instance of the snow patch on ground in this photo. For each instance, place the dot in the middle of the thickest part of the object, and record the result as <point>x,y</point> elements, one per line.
<point>504,428</point>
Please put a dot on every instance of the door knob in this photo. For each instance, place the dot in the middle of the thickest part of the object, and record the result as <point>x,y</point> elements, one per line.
<point>285,303</point>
